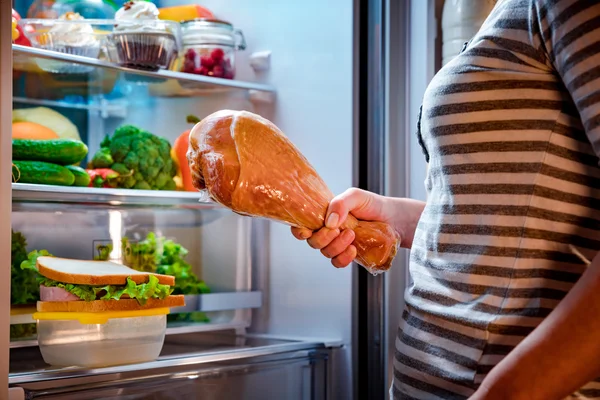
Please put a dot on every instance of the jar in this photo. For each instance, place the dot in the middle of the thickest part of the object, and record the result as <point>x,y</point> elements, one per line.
<point>209,47</point>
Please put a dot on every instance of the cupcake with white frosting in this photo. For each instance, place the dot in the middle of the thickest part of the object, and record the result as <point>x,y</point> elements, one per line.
<point>72,35</point>
<point>140,40</point>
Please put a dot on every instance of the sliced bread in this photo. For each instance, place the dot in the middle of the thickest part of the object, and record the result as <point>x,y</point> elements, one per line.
<point>86,272</point>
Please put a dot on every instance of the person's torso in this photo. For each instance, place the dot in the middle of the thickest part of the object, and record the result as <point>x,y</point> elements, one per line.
<point>513,188</point>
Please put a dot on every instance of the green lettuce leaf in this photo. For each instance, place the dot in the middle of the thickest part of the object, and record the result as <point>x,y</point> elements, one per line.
<point>23,331</point>
<point>166,257</point>
<point>24,288</point>
<point>142,292</point>
<point>31,262</point>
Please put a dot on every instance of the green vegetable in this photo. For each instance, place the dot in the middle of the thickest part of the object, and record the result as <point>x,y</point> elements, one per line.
<point>82,178</point>
<point>142,292</point>
<point>142,256</point>
<point>24,288</point>
<point>102,158</point>
<point>23,331</point>
<point>196,316</point>
<point>104,251</point>
<point>57,151</point>
<point>163,256</point>
<point>142,158</point>
<point>42,173</point>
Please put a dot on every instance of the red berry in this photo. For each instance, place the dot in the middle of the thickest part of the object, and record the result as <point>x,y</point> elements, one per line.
<point>203,71</point>
<point>228,74</point>
<point>190,54</point>
<point>217,55</point>
<point>207,62</point>
<point>218,71</point>
<point>188,66</point>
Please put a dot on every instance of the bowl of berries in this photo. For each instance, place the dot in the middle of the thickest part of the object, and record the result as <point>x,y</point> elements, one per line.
<point>209,48</point>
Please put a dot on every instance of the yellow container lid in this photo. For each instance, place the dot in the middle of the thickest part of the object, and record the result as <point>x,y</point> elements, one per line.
<point>98,317</point>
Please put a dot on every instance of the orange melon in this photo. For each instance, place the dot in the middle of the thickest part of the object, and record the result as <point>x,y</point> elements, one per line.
<point>31,130</point>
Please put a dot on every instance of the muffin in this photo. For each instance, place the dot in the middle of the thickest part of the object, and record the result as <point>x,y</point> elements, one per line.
<point>140,40</point>
<point>70,36</point>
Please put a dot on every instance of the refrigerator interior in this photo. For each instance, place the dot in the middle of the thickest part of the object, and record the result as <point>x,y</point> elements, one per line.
<point>311,68</point>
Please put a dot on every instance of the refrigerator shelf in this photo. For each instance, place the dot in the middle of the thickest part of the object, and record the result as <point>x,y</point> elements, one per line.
<point>31,193</point>
<point>210,302</point>
<point>103,107</point>
<point>25,60</point>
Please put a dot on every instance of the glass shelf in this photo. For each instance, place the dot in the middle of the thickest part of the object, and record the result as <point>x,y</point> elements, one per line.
<point>29,193</point>
<point>25,59</point>
<point>103,107</point>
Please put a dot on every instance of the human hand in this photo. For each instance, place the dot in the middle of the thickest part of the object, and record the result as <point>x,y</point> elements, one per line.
<point>334,241</point>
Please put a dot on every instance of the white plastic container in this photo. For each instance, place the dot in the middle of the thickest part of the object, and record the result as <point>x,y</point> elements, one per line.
<point>94,340</point>
<point>461,20</point>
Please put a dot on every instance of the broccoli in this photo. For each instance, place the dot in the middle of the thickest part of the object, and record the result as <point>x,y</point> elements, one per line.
<point>142,159</point>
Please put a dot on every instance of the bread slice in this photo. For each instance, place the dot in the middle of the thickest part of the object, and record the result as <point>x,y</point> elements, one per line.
<point>86,272</point>
<point>108,305</point>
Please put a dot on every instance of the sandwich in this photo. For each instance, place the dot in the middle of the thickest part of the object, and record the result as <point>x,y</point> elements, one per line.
<point>68,285</point>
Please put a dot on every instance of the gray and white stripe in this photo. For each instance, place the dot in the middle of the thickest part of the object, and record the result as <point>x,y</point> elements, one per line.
<point>511,127</point>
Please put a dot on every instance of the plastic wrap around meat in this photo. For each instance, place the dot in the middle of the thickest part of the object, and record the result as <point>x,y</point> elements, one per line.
<point>248,165</point>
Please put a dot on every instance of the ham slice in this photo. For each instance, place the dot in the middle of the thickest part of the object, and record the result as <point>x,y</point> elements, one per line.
<point>248,165</point>
<point>56,294</point>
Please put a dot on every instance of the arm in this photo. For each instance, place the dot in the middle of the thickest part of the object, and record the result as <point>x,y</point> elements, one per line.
<point>562,353</point>
<point>401,213</point>
<point>559,356</point>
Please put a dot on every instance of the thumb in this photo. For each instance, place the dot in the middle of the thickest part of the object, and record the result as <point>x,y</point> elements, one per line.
<point>339,208</point>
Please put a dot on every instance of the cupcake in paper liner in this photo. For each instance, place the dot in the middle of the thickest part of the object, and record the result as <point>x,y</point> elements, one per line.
<point>140,40</point>
<point>69,36</point>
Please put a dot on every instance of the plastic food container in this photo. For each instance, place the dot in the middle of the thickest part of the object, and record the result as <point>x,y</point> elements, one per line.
<point>148,45</point>
<point>209,47</point>
<point>75,37</point>
<point>94,340</point>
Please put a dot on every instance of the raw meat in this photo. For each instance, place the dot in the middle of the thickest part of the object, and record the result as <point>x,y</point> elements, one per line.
<point>248,165</point>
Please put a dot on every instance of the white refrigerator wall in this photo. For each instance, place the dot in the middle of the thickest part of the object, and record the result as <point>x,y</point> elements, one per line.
<point>311,68</point>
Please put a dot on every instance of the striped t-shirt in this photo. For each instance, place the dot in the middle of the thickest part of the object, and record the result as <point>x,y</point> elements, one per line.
<point>511,129</point>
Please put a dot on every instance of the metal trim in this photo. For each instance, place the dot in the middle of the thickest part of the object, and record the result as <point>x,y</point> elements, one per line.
<point>25,192</point>
<point>369,334</point>
<point>186,360</point>
<point>220,302</point>
<point>398,132</point>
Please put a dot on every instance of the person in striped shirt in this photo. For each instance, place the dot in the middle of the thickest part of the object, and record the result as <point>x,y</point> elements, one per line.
<point>503,303</point>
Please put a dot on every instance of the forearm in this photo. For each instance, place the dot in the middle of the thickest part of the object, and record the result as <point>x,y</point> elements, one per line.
<point>406,214</point>
<point>560,355</point>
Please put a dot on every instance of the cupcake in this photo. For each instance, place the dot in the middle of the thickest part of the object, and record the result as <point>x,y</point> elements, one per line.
<point>77,38</point>
<point>70,36</point>
<point>140,40</point>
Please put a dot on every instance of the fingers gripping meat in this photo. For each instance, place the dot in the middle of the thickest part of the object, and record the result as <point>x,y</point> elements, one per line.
<point>248,165</point>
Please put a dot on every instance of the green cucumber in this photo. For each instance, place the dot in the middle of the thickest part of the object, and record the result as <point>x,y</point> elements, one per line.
<point>56,151</point>
<point>82,178</point>
<point>43,173</point>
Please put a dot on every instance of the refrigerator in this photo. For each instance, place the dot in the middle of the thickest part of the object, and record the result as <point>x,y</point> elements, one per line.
<point>343,80</point>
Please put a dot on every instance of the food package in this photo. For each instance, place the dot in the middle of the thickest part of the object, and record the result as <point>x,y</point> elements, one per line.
<point>244,162</point>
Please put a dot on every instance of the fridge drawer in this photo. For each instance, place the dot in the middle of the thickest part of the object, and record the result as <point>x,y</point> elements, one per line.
<point>192,366</point>
<point>299,376</point>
